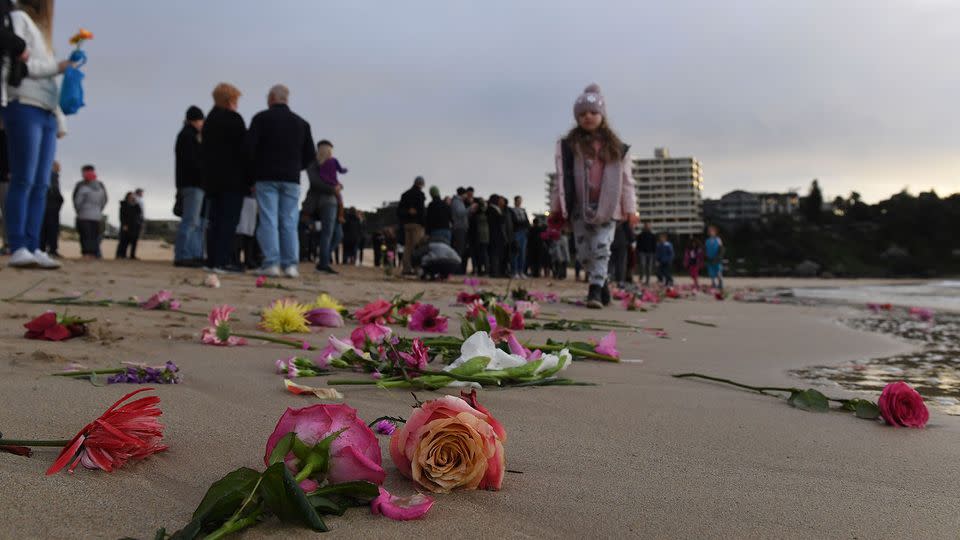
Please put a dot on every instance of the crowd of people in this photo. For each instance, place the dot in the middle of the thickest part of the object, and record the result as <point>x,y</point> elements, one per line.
<point>238,192</point>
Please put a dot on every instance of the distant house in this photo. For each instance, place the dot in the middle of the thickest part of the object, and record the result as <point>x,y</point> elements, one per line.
<point>739,206</point>
<point>735,207</point>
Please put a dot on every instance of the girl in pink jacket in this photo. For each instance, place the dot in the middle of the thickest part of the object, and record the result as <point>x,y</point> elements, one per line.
<point>594,189</point>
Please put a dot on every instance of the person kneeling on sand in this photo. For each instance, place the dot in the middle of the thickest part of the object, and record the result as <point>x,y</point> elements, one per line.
<point>436,258</point>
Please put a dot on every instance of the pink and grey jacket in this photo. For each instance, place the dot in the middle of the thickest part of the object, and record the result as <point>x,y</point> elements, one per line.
<point>617,193</point>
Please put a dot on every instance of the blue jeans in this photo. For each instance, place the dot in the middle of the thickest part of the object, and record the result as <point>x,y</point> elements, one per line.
<point>277,229</point>
<point>32,144</point>
<point>328,225</point>
<point>520,257</point>
<point>337,239</point>
<point>189,244</point>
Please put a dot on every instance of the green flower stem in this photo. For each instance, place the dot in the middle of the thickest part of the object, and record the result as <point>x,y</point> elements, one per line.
<point>234,525</point>
<point>26,442</point>
<point>90,373</point>
<point>482,379</point>
<point>574,351</point>
<point>297,344</point>
<point>760,389</point>
<point>355,382</point>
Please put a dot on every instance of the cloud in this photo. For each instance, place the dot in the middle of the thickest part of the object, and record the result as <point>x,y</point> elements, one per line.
<point>766,95</point>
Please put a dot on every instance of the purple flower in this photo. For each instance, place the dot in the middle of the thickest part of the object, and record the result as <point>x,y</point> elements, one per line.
<point>385,427</point>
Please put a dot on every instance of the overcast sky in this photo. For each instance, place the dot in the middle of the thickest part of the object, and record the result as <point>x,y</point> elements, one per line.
<point>767,94</point>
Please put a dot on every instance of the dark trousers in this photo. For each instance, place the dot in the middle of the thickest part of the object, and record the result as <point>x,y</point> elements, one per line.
<point>480,258</point>
<point>50,231</point>
<point>128,239</point>
<point>459,244</point>
<point>617,268</point>
<point>223,214</point>
<point>247,252</point>
<point>89,231</point>
<point>665,273</point>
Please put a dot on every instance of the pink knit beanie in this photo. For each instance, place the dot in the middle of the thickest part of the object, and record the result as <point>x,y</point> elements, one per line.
<point>590,100</point>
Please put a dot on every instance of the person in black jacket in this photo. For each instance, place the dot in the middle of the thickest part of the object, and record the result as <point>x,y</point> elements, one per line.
<point>439,217</point>
<point>280,145</point>
<point>188,249</point>
<point>412,213</point>
<point>646,253</point>
<point>498,239</point>
<point>226,181</point>
<point>131,216</point>
<point>50,231</point>
<point>13,50</point>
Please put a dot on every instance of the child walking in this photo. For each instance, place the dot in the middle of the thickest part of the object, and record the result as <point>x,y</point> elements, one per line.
<point>714,251</point>
<point>693,260</point>
<point>594,189</point>
<point>665,256</point>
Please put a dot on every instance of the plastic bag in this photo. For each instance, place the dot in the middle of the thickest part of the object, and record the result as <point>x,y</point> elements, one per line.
<point>71,90</point>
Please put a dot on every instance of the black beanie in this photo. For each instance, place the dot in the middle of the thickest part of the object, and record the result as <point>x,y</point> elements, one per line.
<point>194,113</point>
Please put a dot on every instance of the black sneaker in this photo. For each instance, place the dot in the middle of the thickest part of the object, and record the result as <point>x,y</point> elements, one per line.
<point>189,263</point>
<point>327,270</point>
<point>605,294</point>
<point>593,297</point>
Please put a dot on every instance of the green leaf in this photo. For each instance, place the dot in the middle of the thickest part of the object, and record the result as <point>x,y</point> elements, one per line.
<point>867,410</point>
<point>336,498</point>
<point>225,495</point>
<point>526,370</point>
<point>283,447</point>
<point>503,318</point>
<point>328,505</point>
<point>221,501</point>
<point>809,400</point>
<point>482,323</point>
<point>472,366</point>
<point>284,498</point>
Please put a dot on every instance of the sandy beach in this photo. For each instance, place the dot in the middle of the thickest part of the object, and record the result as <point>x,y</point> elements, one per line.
<point>639,455</point>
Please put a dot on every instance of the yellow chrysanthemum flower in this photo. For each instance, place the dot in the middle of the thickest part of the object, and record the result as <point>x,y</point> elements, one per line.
<point>285,316</point>
<point>328,302</point>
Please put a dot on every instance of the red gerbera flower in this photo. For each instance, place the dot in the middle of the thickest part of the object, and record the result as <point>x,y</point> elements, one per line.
<point>122,433</point>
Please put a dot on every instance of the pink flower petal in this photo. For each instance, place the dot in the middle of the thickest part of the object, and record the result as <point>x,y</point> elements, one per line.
<point>401,508</point>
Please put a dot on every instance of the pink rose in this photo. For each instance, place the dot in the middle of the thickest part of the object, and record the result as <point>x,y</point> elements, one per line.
<point>375,332</point>
<point>447,444</point>
<point>378,311</point>
<point>354,455</point>
<point>261,281</point>
<point>901,405</point>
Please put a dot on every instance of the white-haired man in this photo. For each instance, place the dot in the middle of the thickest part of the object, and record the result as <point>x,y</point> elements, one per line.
<point>280,146</point>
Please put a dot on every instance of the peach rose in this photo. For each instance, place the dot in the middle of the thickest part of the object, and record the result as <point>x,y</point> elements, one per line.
<point>448,445</point>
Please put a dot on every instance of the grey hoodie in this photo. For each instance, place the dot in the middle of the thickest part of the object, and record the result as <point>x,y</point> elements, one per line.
<point>458,211</point>
<point>89,199</point>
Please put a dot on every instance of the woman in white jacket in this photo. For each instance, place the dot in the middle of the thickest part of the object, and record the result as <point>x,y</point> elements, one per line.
<point>33,122</point>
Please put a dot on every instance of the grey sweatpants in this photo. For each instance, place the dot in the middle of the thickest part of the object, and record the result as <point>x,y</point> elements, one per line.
<point>593,248</point>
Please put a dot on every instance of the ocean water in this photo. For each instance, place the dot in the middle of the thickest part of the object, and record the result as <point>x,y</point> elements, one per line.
<point>934,369</point>
<point>937,295</point>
